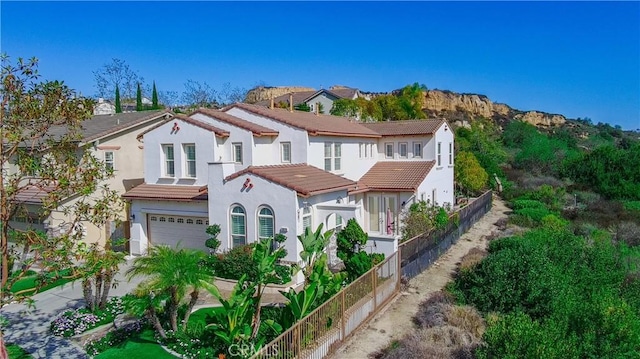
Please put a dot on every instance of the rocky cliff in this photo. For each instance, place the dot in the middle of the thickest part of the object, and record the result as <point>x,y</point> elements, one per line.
<point>262,93</point>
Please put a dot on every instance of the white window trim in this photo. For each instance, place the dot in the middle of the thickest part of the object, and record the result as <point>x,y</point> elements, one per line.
<point>187,160</point>
<point>273,219</point>
<point>332,157</point>
<point>282,152</point>
<point>386,147</point>
<point>112,162</point>
<point>231,215</point>
<point>234,145</point>
<point>165,162</point>
<point>450,153</point>
<point>439,154</point>
<point>414,149</point>
<point>406,150</point>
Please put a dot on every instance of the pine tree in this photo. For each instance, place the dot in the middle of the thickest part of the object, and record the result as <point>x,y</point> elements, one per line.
<point>154,97</point>
<point>118,105</point>
<point>139,98</point>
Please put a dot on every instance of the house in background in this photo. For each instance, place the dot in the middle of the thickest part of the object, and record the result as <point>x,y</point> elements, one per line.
<point>321,100</point>
<point>111,138</point>
<point>258,171</point>
<point>104,107</point>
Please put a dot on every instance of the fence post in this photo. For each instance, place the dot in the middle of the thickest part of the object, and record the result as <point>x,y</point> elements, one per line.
<point>374,282</point>
<point>344,312</point>
<point>398,267</point>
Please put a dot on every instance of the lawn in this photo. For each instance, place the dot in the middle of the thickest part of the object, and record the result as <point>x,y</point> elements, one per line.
<point>29,282</point>
<point>140,346</point>
<point>143,345</point>
<point>15,352</point>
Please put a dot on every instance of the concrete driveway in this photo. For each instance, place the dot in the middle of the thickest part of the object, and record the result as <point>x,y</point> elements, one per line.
<point>29,327</point>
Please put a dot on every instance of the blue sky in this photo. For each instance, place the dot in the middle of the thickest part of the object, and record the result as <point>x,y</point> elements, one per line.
<point>579,59</point>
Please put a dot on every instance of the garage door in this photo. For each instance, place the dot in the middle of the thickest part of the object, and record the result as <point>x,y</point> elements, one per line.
<point>171,230</point>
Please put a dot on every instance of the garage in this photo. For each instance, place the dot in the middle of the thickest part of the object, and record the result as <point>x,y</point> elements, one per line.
<point>171,230</point>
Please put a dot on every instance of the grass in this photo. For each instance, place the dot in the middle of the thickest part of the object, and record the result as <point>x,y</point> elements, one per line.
<point>140,346</point>
<point>15,352</point>
<point>199,316</point>
<point>28,284</point>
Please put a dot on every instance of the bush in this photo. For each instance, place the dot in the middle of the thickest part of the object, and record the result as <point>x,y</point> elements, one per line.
<point>234,263</point>
<point>74,322</point>
<point>472,258</point>
<point>114,338</point>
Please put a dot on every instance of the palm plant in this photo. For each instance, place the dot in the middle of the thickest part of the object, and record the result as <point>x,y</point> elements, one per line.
<point>172,272</point>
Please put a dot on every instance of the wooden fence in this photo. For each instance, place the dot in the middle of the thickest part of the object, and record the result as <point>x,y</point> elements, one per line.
<point>323,331</point>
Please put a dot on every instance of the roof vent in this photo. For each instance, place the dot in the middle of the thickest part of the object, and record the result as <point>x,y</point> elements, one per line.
<point>117,121</point>
<point>291,102</point>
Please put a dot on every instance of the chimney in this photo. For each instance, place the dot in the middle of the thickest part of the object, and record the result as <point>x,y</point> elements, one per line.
<point>317,108</point>
<point>291,102</point>
<point>271,105</point>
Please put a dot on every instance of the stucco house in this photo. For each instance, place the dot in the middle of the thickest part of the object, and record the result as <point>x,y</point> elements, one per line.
<point>257,171</point>
<point>321,100</point>
<point>111,138</point>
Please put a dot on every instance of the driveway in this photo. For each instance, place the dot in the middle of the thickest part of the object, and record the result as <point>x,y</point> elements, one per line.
<point>29,327</point>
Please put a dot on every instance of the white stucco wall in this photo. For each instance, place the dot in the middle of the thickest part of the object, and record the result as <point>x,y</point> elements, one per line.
<point>326,101</point>
<point>409,140</point>
<point>139,241</point>
<point>205,142</point>
<point>352,166</point>
<point>297,137</point>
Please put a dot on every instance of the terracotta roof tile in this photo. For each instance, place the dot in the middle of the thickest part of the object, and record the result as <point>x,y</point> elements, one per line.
<point>167,192</point>
<point>238,122</point>
<point>32,193</point>
<point>315,125</point>
<point>396,176</point>
<point>405,128</point>
<point>306,180</point>
<point>189,120</point>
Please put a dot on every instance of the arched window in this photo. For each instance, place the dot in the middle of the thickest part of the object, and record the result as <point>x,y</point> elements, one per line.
<point>238,225</point>
<point>265,223</point>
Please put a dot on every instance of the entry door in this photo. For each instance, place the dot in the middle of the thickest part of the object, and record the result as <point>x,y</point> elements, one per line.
<point>389,215</point>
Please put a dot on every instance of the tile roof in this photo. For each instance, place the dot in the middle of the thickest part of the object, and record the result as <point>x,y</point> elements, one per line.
<point>405,128</point>
<point>99,126</point>
<point>298,98</point>
<point>167,192</point>
<point>339,93</point>
<point>315,125</point>
<point>189,120</point>
<point>33,193</point>
<point>306,180</point>
<point>395,176</point>
<point>238,122</point>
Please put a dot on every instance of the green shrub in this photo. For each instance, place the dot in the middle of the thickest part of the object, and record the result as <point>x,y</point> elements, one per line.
<point>526,203</point>
<point>631,205</point>
<point>235,263</point>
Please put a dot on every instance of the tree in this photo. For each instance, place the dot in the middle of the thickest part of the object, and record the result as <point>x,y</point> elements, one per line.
<point>154,97</point>
<point>410,101</point>
<point>139,98</point>
<point>469,175</point>
<point>118,104</point>
<point>346,107</point>
<point>198,94</point>
<point>302,107</point>
<point>100,267</point>
<point>229,95</point>
<point>171,272</point>
<point>116,73</point>
<point>40,127</point>
<point>169,98</point>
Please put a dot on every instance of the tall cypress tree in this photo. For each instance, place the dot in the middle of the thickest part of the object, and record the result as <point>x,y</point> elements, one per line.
<point>139,98</point>
<point>118,105</point>
<point>154,97</point>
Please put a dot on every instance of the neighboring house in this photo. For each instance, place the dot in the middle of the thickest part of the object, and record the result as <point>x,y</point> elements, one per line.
<point>321,100</point>
<point>257,171</point>
<point>111,138</point>
<point>104,107</point>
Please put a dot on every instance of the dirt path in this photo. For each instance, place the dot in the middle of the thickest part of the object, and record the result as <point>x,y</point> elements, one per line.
<point>394,321</point>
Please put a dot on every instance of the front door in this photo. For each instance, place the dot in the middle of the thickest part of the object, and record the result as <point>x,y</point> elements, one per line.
<point>389,215</point>
<point>383,214</point>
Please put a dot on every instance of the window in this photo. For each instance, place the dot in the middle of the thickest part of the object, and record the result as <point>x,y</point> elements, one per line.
<point>172,220</point>
<point>338,221</point>
<point>360,150</point>
<point>370,150</point>
<point>403,148</point>
<point>108,160</point>
<point>190,156</point>
<point>154,218</point>
<point>180,220</point>
<point>306,218</point>
<point>450,153</point>
<point>189,221</point>
<point>265,223</point>
<point>439,152</point>
<point>388,150</point>
<point>327,156</point>
<point>285,152</point>
<point>417,149</point>
<point>199,221</point>
<point>337,156</point>
<point>237,152</point>
<point>238,226</point>
<point>163,219</point>
<point>169,169</point>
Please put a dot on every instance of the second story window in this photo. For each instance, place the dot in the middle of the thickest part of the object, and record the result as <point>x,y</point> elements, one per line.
<point>439,154</point>
<point>417,149</point>
<point>190,156</point>
<point>332,156</point>
<point>388,150</point>
<point>403,149</point>
<point>285,152</point>
<point>169,164</point>
<point>109,162</point>
<point>450,153</point>
<point>306,219</point>
<point>237,152</point>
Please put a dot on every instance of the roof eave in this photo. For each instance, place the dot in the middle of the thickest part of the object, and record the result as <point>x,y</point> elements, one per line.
<point>342,134</point>
<point>323,191</point>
